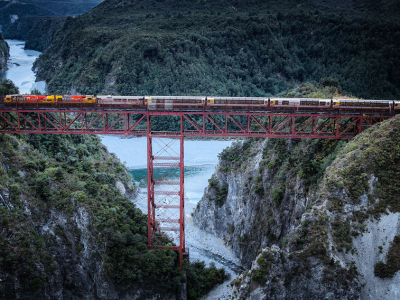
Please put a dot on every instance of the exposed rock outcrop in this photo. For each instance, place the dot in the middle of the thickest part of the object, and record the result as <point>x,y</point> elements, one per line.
<point>288,279</point>
<point>266,194</point>
<point>4,54</point>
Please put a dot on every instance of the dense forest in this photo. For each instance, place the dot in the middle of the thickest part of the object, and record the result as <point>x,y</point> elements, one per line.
<point>130,47</point>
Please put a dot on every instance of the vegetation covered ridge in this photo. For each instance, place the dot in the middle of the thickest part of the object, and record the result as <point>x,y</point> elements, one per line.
<point>120,47</point>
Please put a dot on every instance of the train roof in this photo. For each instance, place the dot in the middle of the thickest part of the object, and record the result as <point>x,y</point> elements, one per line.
<point>120,97</point>
<point>237,98</point>
<point>361,100</point>
<point>176,97</point>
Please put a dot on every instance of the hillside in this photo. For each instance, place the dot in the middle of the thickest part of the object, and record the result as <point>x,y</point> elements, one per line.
<point>44,8</point>
<point>255,48</point>
<point>45,30</point>
<point>17,17</point>
<point>310,219</point>
<point>306,217</point>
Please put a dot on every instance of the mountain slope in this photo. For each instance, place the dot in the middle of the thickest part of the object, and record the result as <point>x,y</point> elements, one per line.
<point>371,7</point>
<point>17,17</point>
<point>208,47</point>
<point>43,8</point>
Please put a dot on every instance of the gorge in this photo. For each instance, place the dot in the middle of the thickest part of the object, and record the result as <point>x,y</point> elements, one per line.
<point>315,219</point>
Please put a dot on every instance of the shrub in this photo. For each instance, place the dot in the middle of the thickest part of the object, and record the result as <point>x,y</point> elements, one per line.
<point>201,279</point>
<point>392,265</point>
<point>259,276</point>
<point>277,196</point>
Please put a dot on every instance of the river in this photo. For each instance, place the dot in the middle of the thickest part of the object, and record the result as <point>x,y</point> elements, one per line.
<point>20,68</point>
<point>201,159</point>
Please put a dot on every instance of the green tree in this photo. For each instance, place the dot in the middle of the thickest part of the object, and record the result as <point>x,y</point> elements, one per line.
<point>7,87</point>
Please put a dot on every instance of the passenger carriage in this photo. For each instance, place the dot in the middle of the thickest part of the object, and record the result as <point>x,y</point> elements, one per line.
<point>363,105</point>
<point>175,103</point>
<point>126,102</point>
<point>237,103</point>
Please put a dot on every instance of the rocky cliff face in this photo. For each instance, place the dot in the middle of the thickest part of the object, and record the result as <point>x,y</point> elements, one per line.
<point>4,54</point>
<point>313,224</point>
<point>268,187</point>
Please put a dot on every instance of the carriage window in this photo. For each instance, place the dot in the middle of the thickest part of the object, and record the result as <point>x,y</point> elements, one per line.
<point>379,104</point>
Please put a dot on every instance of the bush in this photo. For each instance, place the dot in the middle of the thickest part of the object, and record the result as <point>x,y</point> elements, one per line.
<point>277,196</point>
<point>201,279</point>
<point>381,270</point>
<point>259,276</point>
<point>7,87</point>
<point>392,265</point>
<point>220,193</point>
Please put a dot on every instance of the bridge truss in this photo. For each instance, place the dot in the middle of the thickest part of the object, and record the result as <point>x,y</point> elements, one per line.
<point>166,190</point>
<point>195,124</point>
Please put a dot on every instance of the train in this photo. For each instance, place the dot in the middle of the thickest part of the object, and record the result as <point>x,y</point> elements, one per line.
<point>187,103</point>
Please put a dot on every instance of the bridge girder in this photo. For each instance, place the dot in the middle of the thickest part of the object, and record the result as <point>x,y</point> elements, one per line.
<point>201,124</point>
